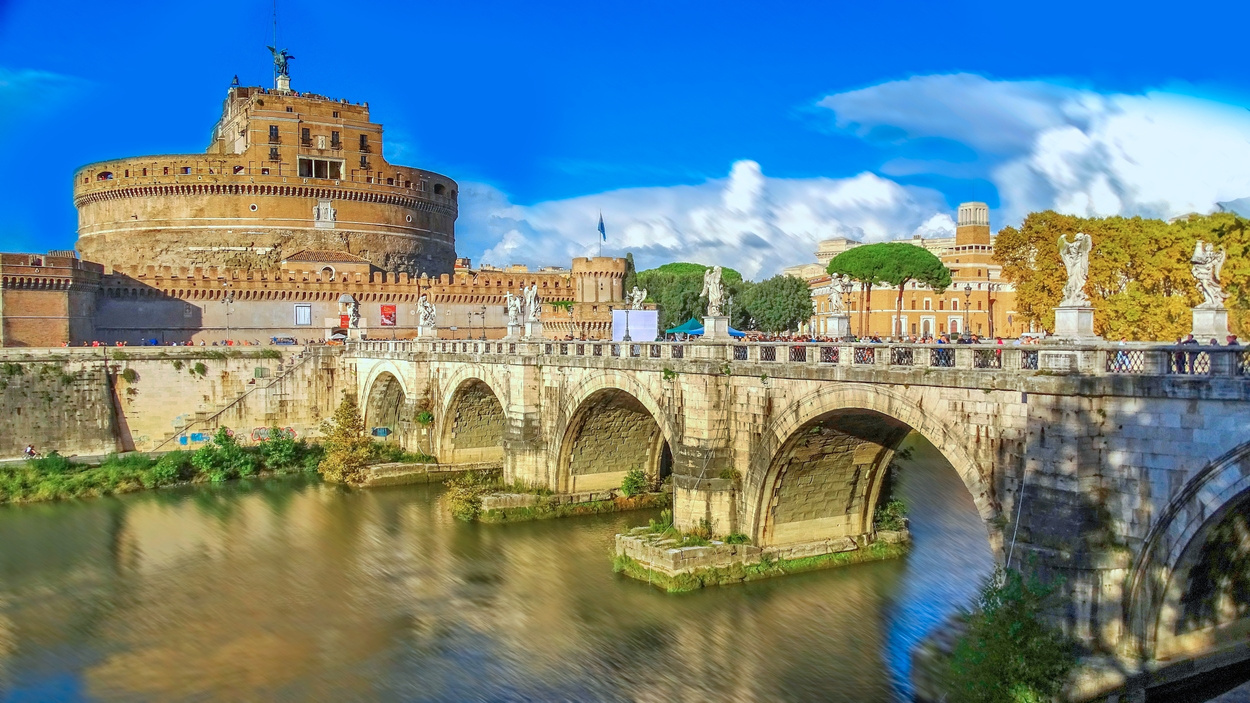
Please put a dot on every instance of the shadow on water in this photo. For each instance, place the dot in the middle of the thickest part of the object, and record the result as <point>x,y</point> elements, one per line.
<point>295,590</point>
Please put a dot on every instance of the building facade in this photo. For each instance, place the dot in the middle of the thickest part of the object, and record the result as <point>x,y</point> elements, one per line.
<point>285,172</point>
<point>979,299</point>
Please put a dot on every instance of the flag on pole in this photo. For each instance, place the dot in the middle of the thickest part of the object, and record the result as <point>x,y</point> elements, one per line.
<point>603,233</point>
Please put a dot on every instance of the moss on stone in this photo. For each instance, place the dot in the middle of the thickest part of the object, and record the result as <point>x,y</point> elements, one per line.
<point>739,572</point>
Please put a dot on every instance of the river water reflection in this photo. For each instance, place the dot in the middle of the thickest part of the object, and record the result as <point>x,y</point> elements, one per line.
<point>296,590</point>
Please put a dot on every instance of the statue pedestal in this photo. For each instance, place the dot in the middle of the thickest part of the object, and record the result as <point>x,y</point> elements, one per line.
<point>427,332</point>
<point>839,327</point>
<point>514,331</point>
<point>716,328</point>
<point>282,84</point>
<point>1210,323</point>
<point>534,329</point>
<point>1075,324</point>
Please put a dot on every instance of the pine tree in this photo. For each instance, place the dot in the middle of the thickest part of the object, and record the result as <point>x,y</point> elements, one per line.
<point>347,444</point>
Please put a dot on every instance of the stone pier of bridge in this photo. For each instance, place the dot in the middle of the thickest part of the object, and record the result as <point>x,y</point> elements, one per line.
<point>1115,467</point>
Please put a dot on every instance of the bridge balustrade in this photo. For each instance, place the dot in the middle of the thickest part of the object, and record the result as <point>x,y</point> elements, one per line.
<point>987,358</point>
<point>829,355</point>
<point>678,351</point>
<point>798,353</point>
<point>864,355</point>
<point>768,353</point>
<point>902,356</point>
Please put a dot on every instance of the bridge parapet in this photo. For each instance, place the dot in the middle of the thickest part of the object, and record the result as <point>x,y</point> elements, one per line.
<point>1068,360</point>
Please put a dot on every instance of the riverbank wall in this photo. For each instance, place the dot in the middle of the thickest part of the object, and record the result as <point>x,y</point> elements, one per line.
<point>94,401</point>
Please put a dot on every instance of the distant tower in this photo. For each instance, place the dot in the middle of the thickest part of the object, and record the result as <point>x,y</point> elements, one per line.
<point>973,226</point>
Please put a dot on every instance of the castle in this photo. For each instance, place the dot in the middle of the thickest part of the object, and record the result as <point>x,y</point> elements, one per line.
<point>291,218</point>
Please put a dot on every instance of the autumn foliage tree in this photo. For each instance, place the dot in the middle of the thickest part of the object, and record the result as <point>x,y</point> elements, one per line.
<point>1140,282</point>
<point>347,445</point>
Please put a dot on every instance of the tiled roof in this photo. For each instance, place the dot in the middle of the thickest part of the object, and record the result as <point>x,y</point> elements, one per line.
<point>328,256</point>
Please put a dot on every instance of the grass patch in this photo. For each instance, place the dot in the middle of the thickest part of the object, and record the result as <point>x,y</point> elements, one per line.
<point>550,507</point>
<point>56,478</point>
<point>739,572</point>
<point>391,452</point>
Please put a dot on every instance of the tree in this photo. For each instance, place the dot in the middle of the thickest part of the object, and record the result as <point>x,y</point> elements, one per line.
<point>676,288</point>
<point>1140,283</point>
<point>631,275</point>
<point>347,444</point>
<point>866,264</point>
<point>780,303</point>
<point>1007,653</point>
<point>908,262</point>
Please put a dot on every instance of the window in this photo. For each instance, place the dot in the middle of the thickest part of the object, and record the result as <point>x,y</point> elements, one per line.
<point>273,153</point>
<point>303,314</point>
<point>290,109</point>
<point>273,134</point>
<point>186,170</point>
<point>955,304</point>
<point>978,305</point>
<point>928,304</point>
<point>334,138</point>
<point>104,176</point>
<point>439,188</point>
<point>336,116</point>
<point>305,136</point>
<point>390,181</point>
<point>364,163</point>
<point>320,168</point>
<point>127,173</point>
<point>238,170</point>
<point>264,172</point>
<point>166,171</point>
<point>145,172</point>
<point>364,143</point>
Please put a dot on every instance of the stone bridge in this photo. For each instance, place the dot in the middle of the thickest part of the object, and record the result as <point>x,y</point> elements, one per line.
<point>1122,469</point>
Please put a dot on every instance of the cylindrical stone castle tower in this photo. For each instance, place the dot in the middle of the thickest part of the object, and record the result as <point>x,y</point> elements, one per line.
<point>285,172</point>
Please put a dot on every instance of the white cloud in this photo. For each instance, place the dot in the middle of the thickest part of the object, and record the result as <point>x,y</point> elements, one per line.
<point>747,221</point>
<point>27,94</point>
<point>1046,145</point>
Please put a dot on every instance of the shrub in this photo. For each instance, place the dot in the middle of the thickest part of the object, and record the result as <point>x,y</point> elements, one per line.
<point>177,364</point>
<point>1007,653</point>
<point>223,458</point>
<point>130,375</point>
<point>635,482</point>
<point>425,417</point>
<point>170,468</point>
<point>347,447</point>
<point>199,369</point>
<point>279,450</point>
<point>737,538</point>
<point>891,516</point>
<point>270,354</point>
<point>464,495</point>
<point>730,474</point>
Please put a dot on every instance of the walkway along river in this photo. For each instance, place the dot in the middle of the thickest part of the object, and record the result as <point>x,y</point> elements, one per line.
<point>292,589</point>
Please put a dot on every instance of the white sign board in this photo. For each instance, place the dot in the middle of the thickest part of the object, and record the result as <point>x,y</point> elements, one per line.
<point>644,325</point>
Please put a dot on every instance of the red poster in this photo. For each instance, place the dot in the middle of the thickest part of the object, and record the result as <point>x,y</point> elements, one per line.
<point>388,315</point>
<point>344,321</point>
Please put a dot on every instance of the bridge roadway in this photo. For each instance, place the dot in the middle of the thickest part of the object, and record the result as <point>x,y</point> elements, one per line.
<point>1122,469</point>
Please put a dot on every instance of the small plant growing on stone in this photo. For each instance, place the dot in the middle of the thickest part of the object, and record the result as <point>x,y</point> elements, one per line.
<point>737,538</point>
<point>199,369</point>
<point>347,445</point>
<point>730,474</point>
<point>727,369</point>
<point>130,375</point>
<point>11,369</point>
<point>177,364</point>
<point>891,516</point>
<point>668,374</point>
<point>424,418</point>
<point>635,483</point>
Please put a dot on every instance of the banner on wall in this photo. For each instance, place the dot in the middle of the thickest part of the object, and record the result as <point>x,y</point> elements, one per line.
<point>643,325</point>
<point>345,321</point>
<point>388,315</point>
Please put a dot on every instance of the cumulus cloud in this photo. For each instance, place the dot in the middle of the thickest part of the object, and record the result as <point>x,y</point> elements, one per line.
<point>1047,145</point>
<point>748,221</point>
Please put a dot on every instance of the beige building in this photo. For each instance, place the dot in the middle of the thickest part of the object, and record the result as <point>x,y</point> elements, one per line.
<point>979,298</point>
<point>285,172</point>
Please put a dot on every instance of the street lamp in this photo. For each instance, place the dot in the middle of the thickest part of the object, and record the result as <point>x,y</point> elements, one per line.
<point>627,338</point>
<point>967,302</point>
<point>483,314</point>
<point>989,297</point>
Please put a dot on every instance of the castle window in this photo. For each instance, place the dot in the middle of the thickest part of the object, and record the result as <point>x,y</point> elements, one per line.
<point>264,172</point>
<point>334,138</point>
<point>104,176</point>
<point>364,143</point>
<point>390,181</point>
<point>166,171</point>
<point>336,116</point>
<point>320,168</point>
<point>364,163</point>
<point>290,109</point>
<point>305,136</point>
<point>273,153</point>
<point>145,172</point>
<point>273,134</point>
<point>238,170</point>
<point>438,188</point>
<point>303,314</point>
<point>127,173</point>
<point>186,170</point>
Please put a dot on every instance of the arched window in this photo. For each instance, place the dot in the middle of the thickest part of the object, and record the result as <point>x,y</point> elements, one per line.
<point>439,188</point>
<point>104,176</point>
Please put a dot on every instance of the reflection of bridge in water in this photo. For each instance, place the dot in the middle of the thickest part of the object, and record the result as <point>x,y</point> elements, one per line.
<point>1134,460</point>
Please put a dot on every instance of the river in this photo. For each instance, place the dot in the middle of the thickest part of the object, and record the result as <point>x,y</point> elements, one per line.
<point>293,590</point>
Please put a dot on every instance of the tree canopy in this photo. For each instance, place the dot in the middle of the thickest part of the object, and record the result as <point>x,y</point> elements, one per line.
<point>631,274</point>
<point>677,289</point>
<point>1140,283</point>
<point>894,263</point>
<point>778,304</point>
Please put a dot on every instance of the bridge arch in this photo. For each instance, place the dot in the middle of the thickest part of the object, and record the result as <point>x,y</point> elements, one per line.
<point>472,416</point>
<point>384,401</point>
<point>832,447</point>
<point>614,425</point>
<point>1173,605</point>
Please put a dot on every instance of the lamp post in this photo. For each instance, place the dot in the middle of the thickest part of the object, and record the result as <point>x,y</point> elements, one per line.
<point>847,287</point>
<point>227,300</point>
<point>967,301</point>
<point>483,313</point>
<point>989,303</point>
<point>627,338</point>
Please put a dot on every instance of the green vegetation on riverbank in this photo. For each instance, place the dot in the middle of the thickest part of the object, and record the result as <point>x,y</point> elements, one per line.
<point>765,568</point>
<point>464,500</point>
<point>56,478</point>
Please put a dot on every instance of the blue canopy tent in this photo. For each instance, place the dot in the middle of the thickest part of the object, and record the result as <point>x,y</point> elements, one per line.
<point>692,327</point>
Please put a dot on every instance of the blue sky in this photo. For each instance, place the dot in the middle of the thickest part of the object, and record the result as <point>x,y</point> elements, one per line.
<point>732,133</point>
